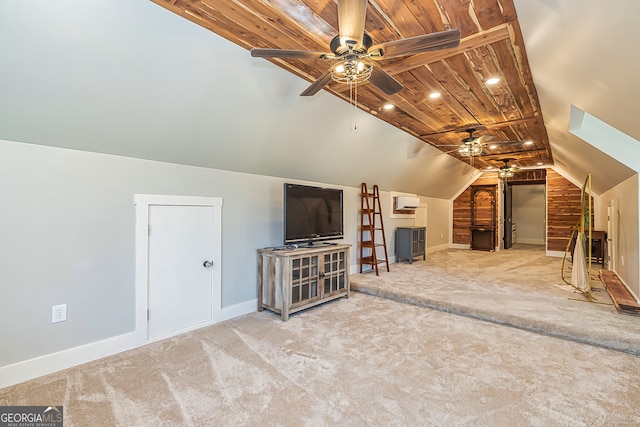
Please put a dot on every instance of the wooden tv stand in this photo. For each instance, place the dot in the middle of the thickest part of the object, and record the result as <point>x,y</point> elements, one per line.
<point>290,280</point>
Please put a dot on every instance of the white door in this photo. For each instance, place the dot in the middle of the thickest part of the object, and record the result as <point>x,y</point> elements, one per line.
<point>181,264</point>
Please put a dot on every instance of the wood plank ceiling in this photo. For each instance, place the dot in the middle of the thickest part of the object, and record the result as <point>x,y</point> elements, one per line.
<point>491,46</point>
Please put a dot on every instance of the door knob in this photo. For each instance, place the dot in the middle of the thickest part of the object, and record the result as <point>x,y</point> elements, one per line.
<point>207,264</point>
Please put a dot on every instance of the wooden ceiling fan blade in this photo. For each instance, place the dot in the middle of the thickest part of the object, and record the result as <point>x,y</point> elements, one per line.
<point>507,143</point>
<point>384,81</point>
<point>419,44</point>
<point>315,87</point>
<point>351,17</point>
<point>498,156</point>
<point>477,126</point>
<point>526,168</point>
<point>449,151</point>
<point>484,139</point>
<point>287,54</point>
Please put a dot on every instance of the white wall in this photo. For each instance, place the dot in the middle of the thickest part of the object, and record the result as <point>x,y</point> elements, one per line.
<point>438,223</point>
<point>625,197</point>
<point>528,213</point>
<point>67,237</point>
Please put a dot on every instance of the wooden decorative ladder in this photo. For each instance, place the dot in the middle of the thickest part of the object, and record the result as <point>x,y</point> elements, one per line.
<point>372,239</point>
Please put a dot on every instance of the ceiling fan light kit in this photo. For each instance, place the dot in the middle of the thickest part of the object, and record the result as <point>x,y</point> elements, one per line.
<point>353,51</point>
<point>506,173</point>
<point>351,70</point>
<point>471,146</point>
<point>470,149</point>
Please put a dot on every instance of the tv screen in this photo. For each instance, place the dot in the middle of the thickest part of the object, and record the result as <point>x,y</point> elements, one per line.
<point>312,213</point>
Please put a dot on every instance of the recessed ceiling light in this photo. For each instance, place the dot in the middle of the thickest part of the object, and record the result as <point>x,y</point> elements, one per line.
<point>493,146</point>
<point>528,143</point>
<point>388,106</point>
<point>493,80</point>
<point>540,163</point>
<point>435,95</point>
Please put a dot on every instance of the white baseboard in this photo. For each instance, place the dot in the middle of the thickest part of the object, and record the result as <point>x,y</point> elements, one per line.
<point>437,248</point>
<point>238,310</point>
<point>49,363</point>
<point>530,241</point>
<point>558,254</point>
<point>355,269</point>
<point>459,246</point>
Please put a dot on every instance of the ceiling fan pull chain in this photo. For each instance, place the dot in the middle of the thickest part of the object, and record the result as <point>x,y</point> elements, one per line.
<point>355,106</point>
<point>352,95</point>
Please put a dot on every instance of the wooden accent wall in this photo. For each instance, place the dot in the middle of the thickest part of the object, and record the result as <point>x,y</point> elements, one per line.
<point>462,218</point>
<point>462,211</point>
<point>563,210</point>
<point>529,176</point>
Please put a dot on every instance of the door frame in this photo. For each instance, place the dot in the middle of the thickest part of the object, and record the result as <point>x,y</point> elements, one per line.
<point>143,202</point>
<point>508,219</point>
<point>612,235</point>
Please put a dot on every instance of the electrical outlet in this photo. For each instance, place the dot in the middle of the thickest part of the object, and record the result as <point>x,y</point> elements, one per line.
<point>622,260</point>
<point>58,313</point>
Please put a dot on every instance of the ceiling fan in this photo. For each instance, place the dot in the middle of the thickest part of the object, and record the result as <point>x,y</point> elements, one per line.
<point>474,146</point>
<point>470,146</point>
<point>352,51</point>
<point>508,171</point>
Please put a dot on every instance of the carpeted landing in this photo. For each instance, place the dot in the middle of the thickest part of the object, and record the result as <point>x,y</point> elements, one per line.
<point>520,287</point>
<point>369,361</point>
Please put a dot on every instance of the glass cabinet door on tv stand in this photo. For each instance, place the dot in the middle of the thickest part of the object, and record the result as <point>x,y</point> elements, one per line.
<point>304,280</point>
<point>290,280</point>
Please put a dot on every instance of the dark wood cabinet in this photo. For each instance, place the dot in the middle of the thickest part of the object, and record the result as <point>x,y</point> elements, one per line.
<point>483,217</point>
<point>598,246</point>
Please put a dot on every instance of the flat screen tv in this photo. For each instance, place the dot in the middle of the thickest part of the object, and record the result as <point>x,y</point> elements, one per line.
<point>312,214</point>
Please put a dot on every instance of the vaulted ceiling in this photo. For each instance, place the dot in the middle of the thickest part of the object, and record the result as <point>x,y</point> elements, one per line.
<point>491,45</point>
<point>133,79</point>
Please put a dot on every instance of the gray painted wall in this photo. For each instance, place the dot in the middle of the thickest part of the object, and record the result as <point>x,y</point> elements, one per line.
<point>68,237</point>
<point>133,79</point>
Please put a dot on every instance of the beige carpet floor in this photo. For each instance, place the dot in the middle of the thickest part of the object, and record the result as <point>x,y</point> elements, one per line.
<point>519,287</point>
<point>362,361</point>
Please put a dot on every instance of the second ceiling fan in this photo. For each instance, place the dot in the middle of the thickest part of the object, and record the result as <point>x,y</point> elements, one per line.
<point>353,52</point>
<point>475,146</point>
<point>470,146</point>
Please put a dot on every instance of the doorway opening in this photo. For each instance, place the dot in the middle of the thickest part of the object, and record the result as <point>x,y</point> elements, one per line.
<point>524,213</point>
